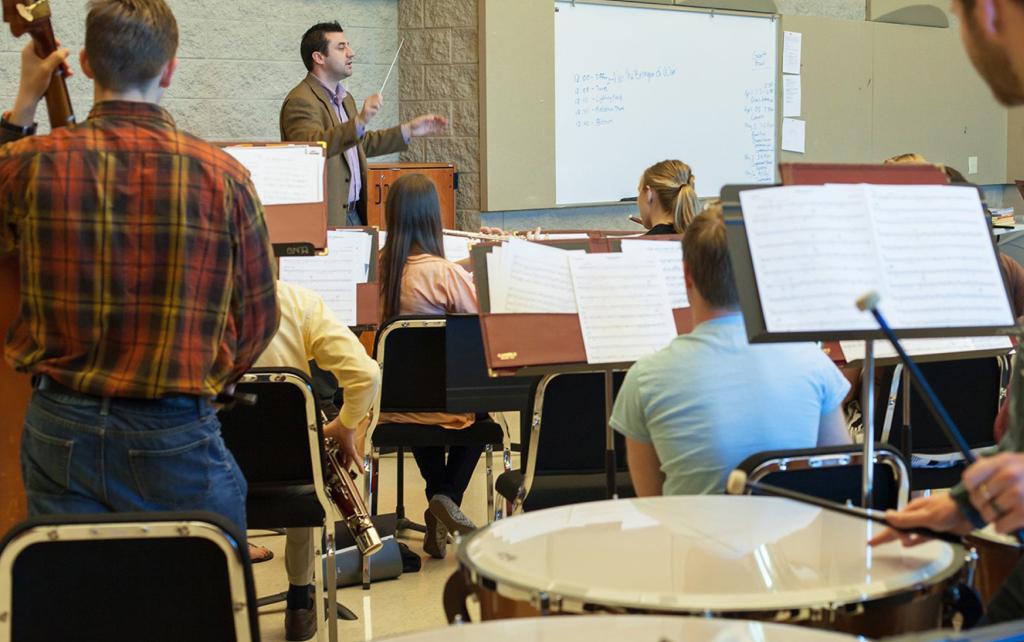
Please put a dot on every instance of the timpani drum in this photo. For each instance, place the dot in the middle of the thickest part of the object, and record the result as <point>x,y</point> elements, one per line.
<point>618,628</point>
<point>998,555</point>
<point>747,557</point>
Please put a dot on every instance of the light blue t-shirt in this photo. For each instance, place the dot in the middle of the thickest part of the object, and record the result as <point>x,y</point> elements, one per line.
<point>710,399</point>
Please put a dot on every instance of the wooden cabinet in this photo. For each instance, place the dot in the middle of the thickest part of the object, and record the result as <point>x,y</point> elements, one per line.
<point>383,175</point>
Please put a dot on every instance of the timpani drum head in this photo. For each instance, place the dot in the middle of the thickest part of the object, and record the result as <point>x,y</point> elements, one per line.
<point>619,628</point>
<point>697,554</point>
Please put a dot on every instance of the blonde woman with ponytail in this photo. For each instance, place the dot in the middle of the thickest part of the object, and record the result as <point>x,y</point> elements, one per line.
<point>667,198</point>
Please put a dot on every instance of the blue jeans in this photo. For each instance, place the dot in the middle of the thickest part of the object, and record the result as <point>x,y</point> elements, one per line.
<point>79,455</point>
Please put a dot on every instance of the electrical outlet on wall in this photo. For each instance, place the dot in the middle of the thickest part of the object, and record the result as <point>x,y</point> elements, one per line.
<point>972,164</point>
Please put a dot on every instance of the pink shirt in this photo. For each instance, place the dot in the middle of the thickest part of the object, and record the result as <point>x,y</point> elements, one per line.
<point>352,153</point>
<point>432,285</point>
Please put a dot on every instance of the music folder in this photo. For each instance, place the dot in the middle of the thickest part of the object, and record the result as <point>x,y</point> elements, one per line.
<point>520,342</point>
<point>291,181</point>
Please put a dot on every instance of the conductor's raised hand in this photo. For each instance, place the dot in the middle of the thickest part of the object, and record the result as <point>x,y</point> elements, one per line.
<point>427,124</point>
<point>938,512</point>
<point>36,74</point>
<point>996,485</point>
<point>371,106</point>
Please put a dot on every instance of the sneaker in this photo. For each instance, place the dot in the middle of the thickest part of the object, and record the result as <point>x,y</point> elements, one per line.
<point>435,539</point>
<point>447,512</point>
<point>855,421</point>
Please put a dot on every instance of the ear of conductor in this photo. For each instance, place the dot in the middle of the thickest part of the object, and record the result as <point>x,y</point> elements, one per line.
<point>737,483</point>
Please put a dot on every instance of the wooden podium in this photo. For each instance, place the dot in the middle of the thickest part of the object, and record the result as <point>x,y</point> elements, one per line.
<point>382,175</point>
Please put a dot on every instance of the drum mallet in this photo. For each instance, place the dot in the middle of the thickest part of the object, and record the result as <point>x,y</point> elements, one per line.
<point>869,303</point>
<point>738,484</point>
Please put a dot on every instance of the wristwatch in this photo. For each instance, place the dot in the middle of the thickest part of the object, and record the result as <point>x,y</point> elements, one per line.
<point>23,130</point>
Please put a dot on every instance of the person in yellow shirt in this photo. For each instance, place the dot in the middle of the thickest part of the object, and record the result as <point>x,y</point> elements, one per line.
<point>309,330</point>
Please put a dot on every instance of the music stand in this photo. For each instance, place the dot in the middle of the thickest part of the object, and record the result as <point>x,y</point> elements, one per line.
<point>532,344</point>
<point>758,330</point>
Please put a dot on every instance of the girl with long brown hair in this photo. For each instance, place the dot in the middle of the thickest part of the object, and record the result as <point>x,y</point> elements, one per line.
<point>415,278</point>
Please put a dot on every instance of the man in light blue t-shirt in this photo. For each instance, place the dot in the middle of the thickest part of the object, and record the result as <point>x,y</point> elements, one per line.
<point>694,410</point>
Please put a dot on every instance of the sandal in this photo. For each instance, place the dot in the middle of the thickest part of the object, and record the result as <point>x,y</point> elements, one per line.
<point>259,554</point>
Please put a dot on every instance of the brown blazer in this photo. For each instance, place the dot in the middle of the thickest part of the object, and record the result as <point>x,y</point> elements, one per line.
<point>308,115</point>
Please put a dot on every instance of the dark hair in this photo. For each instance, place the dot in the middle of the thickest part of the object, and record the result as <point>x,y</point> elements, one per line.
<point>954,175</point>
<point>412,216</point>
<point>128,42</point>
<point>706,253</point>
<point>315,39</point>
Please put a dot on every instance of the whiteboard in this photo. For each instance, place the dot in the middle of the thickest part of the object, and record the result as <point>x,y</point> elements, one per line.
<point>635,85</point>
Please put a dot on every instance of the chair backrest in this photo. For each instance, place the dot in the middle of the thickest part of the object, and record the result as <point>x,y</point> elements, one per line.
<point>969,389</point>
<point>161,577</point>
<point>568,417</point>
<point>276,440</point>
<point>411,354</point>
<point>469,386</point>
<point>832,472</point>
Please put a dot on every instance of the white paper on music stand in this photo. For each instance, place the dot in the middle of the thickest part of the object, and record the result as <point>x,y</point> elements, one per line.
<point>817,249</point>
<point>532,278</point>
<point>621,322</point>
<point>284,174</point>
<point>495,279</point>
<point>334,275</point>
<point>944,274</point>
<point>456,248</point>
<point>669,255</point>
<point>854,350</point>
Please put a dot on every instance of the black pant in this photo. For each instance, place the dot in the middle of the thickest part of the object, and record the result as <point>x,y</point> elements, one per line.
<point>1008,604</point>
<point>451,478</point>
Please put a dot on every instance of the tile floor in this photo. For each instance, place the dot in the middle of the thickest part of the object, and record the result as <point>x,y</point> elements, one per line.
<point>409,603</point>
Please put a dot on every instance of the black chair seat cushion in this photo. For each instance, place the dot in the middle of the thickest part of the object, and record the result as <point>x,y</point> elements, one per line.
<point>283,506</point>
<point>549,491</point>
<point>925,478</point>
<point>482,432</point>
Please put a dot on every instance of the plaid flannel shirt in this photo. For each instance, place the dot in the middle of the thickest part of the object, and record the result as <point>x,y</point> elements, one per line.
<point>145,264</point>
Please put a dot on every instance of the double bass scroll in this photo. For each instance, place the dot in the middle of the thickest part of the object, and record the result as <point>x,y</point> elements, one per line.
<point>15,388</point>
<point>34,19</point>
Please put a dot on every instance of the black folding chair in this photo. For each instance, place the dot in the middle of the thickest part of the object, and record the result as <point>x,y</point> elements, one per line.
<point>832,472</point>
<point>122,577</point>
<point>278,444</point>
<point>412,357</point>
<point>970,389</point>
<point>562,459</point>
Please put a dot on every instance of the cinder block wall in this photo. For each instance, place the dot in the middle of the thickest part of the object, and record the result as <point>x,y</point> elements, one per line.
<point>440,72</point>
<point>237,60</point>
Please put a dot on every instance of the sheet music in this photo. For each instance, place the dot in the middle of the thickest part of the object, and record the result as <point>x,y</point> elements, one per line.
<point>669,255</point>
<point>924,248</point>
<point>936,250</point>
<point>284,174</point>
<point>623,306</point>
<point>854,350</point>
<point>456,248</point>
<point>532,278</point>
<point>814,255</point>
<point>334,276</point>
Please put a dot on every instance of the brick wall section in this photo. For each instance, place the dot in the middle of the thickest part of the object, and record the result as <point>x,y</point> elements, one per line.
<point>237,60</point>
<point>440,73</point>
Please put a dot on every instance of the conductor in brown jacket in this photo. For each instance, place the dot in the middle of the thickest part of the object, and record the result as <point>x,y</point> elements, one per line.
<point>320,109</point>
